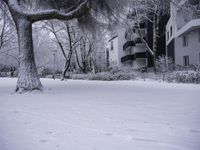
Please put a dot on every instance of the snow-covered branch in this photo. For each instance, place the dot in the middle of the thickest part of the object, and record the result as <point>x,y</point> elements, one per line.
<point>48,14</point>
<point>56,14</point>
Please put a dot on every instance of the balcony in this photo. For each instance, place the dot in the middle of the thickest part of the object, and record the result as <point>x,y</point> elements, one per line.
<point>190,26</point>
<point>139,41</point>
<point>128,58</point>
<point>133,57</point>
<point>140,55</point>
<point>189,16</point>
<point>128,44</point>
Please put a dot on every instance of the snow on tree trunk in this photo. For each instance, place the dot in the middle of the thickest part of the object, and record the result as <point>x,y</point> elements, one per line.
<point>155,40</point>
<point>28,79</point>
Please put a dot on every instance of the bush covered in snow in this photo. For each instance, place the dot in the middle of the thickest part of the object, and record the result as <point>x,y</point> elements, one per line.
<point>107,76</point>
<point>78,76</point>
<point>8,71</point>
<point>103,76</point>
<point>164,64</point>
<point>114,74</point>
<point>184,77</point>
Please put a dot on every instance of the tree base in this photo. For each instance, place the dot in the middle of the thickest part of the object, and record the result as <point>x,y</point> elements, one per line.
<point>28,85</point>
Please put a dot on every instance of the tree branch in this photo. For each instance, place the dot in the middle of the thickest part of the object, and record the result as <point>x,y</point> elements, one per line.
<point>56,14</point>
<point>5,1</point>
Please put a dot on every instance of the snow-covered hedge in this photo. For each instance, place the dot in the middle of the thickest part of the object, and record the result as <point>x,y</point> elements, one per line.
<point>184,77</point>
<point>103,76</point>
<point>78,76</point>
<point>107,76</point>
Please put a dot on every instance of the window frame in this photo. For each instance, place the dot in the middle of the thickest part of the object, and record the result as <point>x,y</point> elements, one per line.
<point>199,36</point>
<point>186,60</point>
<point>185,41</point>
<point>171,29</point>
<point>111,45</point>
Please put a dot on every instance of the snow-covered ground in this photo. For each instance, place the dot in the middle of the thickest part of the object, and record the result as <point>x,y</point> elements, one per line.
<point>94,115</point>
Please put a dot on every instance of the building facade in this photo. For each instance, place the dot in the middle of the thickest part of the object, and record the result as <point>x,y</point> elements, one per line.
<point>183,33</point>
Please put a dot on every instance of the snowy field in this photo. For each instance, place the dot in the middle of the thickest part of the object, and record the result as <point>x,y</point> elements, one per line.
<point>95,115</point>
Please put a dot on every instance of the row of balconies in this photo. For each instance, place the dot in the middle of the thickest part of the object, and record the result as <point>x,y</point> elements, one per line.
<point>132,57</point>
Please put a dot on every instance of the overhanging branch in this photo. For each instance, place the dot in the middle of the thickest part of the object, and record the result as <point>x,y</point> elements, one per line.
<point>78,11</point>
<point>56,14</point>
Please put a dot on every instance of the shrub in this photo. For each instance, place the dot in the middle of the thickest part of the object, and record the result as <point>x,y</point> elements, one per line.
<point>103,76</point>
<point>78,76</point>
<point>184,77</point>
<point>107,76</point>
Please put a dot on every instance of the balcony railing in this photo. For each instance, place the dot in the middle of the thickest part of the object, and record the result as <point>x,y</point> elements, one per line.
<point>140,55</point>
<point>127,58</point>
<point>128,44</point>
<point>133,57</point>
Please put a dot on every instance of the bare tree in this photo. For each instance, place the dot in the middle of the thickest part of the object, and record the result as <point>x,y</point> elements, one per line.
<point>66,43</point>
<point>7,31</point>
<point>84,53</point>
<point>25,13</point>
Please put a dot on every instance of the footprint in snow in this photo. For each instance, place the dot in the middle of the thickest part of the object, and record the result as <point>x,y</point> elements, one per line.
<point>195,131</point>
<point>132,130</point>
<point>49,132</point>
<point>43,141</point>
<point>27,122</point>
<point>15,112</point>
<point>108,134</point>
<point>57,145</point>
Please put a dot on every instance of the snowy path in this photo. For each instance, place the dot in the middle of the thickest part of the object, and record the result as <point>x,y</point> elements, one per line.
<point>84,115</point>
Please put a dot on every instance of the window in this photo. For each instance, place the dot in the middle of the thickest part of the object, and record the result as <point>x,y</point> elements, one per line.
<point>185,40</point>
<point>186,61</point>
<point>199,35</point>
<point>167,35</point>
<point>170,31</point>
<point>199,58</point>
<point>111,47</point>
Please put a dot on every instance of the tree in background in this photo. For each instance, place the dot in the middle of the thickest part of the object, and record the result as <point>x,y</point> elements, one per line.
<point>84,52</point>
<point>8,42</point>
<point>66,37</point>
<point>165,65</point>
<point>152,11</point>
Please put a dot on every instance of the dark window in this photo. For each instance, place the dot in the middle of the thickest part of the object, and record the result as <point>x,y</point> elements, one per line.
<point>185,40</point>
<point>199,35</point>
<point>170,31</point>
<point>186,61</point>
<point>111,47</point>
<point>167,35</point>
<point>199,58</point>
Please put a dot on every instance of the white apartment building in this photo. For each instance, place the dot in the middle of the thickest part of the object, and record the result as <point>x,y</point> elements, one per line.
<point>183,33</point>
<point>126,49</point>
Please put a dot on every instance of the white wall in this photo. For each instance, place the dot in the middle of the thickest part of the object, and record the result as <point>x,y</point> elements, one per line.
<point>113,53</point>
<point>122,40</point>
<point>192,50</point>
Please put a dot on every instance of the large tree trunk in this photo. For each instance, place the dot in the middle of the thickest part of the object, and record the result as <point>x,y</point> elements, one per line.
<point>28,78</point>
